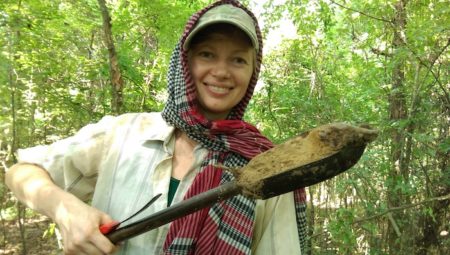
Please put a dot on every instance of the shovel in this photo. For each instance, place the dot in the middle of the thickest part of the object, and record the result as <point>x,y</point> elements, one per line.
<point>326,151</point>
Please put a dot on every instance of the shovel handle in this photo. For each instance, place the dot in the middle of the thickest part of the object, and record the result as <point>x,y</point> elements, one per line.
<point>175,211</point>
<point>289,180</point>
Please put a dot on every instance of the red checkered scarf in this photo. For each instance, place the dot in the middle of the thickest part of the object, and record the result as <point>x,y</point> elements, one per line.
<point>226,227</point>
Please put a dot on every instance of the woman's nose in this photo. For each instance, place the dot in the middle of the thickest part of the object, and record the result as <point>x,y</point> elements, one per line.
<point>220,70</point>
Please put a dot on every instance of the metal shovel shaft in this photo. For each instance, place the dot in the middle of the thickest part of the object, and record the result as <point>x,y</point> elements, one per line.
<point>175,211</point>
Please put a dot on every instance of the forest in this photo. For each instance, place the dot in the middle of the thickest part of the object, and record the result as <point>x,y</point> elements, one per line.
<point>385,63</point>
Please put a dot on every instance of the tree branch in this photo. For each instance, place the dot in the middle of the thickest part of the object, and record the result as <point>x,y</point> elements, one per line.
<point>403,207</point>
<point>360,12</point>
<point>430,68</point>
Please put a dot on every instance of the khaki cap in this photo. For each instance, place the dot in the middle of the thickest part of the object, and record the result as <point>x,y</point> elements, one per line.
<point>226,14</point>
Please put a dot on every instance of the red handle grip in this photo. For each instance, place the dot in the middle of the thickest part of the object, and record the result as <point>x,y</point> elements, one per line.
<point>108,227</point>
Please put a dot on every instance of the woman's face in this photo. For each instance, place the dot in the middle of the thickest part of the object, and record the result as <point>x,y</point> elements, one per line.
<point>221,67</point>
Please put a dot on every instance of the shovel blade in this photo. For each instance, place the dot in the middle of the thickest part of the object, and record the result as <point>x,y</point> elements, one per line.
<point>310,174</point>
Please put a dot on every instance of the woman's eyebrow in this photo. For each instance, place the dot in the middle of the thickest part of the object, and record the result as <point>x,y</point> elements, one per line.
<point>243,51</point>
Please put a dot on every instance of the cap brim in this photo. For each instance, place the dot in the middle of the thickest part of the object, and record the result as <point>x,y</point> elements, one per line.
<point>204,25</point>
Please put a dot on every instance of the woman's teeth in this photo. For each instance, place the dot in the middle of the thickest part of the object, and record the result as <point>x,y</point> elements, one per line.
<point>218,89</point>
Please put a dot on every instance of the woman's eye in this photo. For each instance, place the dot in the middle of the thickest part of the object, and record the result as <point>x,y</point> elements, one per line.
<point>205,54</point>
<point>240,60</point>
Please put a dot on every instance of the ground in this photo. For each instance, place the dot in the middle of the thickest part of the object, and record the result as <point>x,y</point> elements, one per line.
<point>36,243</point>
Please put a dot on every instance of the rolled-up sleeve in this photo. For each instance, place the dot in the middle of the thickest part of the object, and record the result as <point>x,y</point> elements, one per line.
<point>73,162</point>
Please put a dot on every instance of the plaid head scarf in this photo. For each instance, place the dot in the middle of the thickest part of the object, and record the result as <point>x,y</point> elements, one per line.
<point>226,227</point>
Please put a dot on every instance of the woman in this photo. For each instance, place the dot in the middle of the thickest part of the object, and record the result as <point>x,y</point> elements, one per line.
<point>121,162</point>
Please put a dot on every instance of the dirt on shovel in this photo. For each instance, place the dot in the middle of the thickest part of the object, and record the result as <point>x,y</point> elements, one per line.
<point>311,146</point>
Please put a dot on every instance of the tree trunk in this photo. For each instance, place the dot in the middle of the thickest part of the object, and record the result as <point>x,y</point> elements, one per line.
<point>14,41</point>
<point>114,68</point>
<point>92,87</point>
<point>397,107</point>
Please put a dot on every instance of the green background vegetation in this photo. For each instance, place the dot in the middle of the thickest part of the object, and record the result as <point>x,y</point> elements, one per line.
<point>379,62</point>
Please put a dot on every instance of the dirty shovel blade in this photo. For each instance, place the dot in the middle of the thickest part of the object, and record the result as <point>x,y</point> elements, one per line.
<point>310,174</point>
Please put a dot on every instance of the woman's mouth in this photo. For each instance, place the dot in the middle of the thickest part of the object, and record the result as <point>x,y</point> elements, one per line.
<point>217,89</point>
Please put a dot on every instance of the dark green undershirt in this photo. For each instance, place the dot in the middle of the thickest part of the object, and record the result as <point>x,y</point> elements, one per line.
<point>173,186</point>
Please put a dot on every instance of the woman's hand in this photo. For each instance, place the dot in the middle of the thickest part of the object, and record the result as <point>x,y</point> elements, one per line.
<point>79,225</point>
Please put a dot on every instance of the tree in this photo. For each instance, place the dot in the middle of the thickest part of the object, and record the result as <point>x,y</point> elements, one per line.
<point>399,173</point>
<point>117,82</point>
